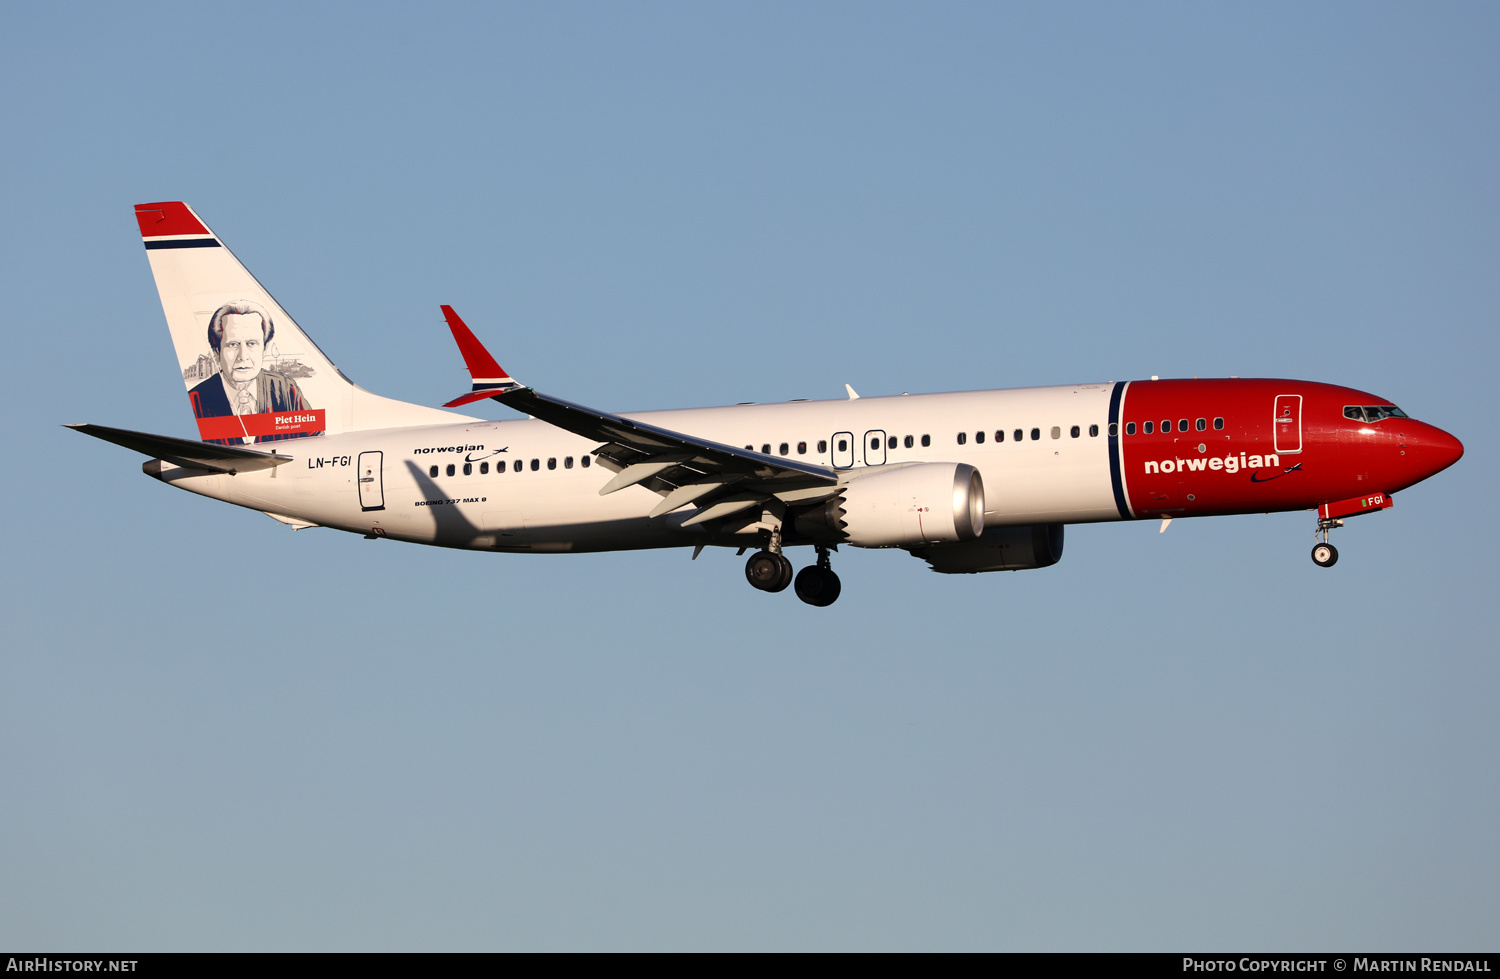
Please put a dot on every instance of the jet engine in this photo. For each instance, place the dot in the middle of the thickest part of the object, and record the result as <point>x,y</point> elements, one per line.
<point>910,506</point>
<point>1017,548</point>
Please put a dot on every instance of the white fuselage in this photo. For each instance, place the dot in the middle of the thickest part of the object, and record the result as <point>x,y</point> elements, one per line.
<point>552,502</point>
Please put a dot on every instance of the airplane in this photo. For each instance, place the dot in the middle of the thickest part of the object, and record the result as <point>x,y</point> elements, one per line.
<point>970,482</point>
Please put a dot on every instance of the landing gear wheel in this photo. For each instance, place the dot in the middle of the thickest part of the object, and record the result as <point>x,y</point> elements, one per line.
<point>817,586</point>
<point>1325,555</point>
<point>768,572</point>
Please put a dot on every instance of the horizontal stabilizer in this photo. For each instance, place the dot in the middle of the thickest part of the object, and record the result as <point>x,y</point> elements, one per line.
<point>192,455</point>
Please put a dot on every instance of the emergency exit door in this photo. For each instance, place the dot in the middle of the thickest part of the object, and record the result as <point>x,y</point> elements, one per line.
<point>1286,426</point>
<point>843,450</point>
<point>371,488</point>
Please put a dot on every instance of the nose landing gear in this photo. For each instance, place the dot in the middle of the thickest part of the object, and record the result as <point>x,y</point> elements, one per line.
<point>1324,554</point>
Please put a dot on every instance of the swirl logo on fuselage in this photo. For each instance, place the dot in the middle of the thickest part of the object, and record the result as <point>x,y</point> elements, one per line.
<point>1256,476</point>
<point>471,457</point>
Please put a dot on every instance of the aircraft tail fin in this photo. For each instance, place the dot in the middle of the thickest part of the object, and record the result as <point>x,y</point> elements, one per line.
<point>251,374</point>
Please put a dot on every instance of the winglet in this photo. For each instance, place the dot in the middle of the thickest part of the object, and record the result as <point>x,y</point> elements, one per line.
<point>489,377</point>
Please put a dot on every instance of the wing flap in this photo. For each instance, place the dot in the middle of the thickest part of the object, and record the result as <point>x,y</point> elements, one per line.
<point>688,492</point>
<point>641,471</point>
<point>725,507</point>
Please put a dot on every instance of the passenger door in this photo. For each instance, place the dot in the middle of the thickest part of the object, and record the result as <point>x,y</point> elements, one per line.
<point>875,448</point>
<point>1286,426</point>
<point>371,486</point>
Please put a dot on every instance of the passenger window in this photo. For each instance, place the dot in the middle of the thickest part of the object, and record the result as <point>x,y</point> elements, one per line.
<point>450,469</point>
<point>963,437</point>
<point>822,446</point>
<point>1129,428</point>
<point>910,441</point>
<point>999,435</point>
<point>568,463</point>
<point>1094,430</point>
<point>843,445</point>
<point>1147,428</point>
<point>785,448</point>
<point>1166,425</point>
<point>1218,424</point>
<point>1201,424</point>
<point>1074,432</point>
<point>484,469</point>
<point>536,464</point>
<point>802,448</point>
<point>552,463</point>
<point>749,448</point>
<point>1056,432</point>
<point>890,443</point>
<point>765,450</point>
<point>584,462</point>
<point>468,469</point>
<point>978,438</point>
<point>874,443</point>
<point>1036,434</point>
<point>432,472</point>
<point>1018,435</point>
<point>1182,425</point>
<point>926,441</point>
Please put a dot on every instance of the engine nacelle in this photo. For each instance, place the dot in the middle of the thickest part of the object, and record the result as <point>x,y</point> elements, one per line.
<point>913,506</point>
<point>1017,548</point>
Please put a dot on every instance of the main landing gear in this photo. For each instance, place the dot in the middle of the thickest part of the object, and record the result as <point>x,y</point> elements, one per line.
<point>769,570</point>
<point>1324,554</point>
<point>817,585</point>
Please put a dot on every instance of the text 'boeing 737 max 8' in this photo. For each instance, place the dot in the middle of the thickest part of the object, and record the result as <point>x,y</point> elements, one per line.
<point>969,481</point>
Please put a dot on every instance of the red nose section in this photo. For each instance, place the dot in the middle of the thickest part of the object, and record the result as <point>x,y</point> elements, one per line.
<point>1448,448</point>
<point>1436,450</point>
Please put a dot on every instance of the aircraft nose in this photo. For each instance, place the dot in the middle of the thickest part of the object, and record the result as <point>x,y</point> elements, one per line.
<point>1438,450</point>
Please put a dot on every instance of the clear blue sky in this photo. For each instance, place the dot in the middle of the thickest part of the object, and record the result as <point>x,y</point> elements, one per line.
<point>218,734</point>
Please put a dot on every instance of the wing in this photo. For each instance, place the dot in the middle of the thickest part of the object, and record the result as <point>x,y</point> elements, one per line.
<point>194,455</point>
<point>720,479</point>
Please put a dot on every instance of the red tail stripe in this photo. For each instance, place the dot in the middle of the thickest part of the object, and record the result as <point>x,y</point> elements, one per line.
<point>167,218</point>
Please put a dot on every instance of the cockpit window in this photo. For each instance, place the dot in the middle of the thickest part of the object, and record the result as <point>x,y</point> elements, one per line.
<point>1372,413</point>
